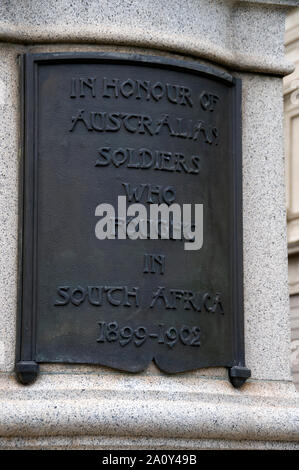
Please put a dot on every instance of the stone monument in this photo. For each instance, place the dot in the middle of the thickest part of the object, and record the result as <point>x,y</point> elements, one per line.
<point>185,92</point>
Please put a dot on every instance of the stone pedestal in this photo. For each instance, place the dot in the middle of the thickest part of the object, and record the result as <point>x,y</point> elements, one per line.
<point>83,407</point>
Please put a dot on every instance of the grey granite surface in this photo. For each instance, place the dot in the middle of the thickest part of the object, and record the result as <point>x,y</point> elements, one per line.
<point>89,407</point>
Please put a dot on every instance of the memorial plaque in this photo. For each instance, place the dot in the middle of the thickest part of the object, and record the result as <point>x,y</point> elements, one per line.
<point>108,140</point>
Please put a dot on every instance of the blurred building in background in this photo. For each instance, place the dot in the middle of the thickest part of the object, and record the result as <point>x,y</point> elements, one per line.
<point>291,106</point>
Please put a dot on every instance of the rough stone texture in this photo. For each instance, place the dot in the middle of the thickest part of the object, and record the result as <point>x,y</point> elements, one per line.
<point>213,30</point>
<point>90,407</point>
<point>125,443</point>
<point>9,167</point>
<point>252,23</point>
<point>265,249</point>
<point>92,410</point>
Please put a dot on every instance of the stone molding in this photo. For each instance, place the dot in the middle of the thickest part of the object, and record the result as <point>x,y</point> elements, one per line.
<point>85,405</point>
<point>189,413</point>
<point>222,39</point>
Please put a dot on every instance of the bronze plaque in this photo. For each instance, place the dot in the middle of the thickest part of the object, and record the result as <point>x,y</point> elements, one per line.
<point>160,133</point>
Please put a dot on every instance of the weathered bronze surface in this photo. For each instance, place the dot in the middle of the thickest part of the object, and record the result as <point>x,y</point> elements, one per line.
<point>99,126</point>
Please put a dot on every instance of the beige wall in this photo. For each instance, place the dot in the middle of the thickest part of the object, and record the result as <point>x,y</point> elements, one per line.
<point>291,103</point>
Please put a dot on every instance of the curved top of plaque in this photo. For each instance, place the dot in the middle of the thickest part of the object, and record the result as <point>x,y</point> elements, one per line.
<point>160,62</point>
